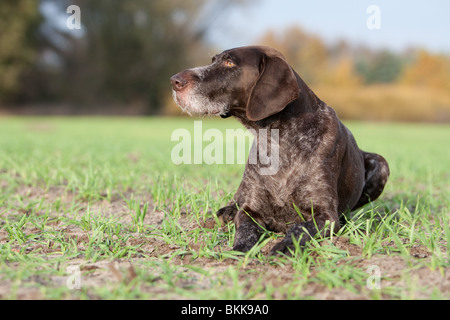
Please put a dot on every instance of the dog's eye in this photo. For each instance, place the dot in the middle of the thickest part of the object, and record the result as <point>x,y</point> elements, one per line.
<point>228,63</point>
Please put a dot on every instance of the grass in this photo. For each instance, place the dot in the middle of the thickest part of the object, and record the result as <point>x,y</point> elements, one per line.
<point>102,195</point>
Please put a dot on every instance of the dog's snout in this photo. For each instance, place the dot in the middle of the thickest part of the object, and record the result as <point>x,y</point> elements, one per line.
<point>178,81</point>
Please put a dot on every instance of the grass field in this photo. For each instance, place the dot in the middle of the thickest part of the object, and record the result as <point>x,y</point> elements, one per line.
<point>94,208</point>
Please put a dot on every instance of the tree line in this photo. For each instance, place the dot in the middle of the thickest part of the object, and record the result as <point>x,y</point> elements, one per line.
<point>342,63</point>
<point>121,59</point>
<point>123,55</point>
<point>366,83</point>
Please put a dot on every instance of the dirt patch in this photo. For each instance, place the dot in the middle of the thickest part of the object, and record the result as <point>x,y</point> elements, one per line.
<point>190,270</point>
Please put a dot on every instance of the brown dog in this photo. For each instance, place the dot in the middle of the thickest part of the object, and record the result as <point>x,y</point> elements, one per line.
<point>320,173</point>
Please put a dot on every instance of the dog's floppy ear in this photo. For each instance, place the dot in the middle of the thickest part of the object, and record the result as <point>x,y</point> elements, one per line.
<point>275,88</point>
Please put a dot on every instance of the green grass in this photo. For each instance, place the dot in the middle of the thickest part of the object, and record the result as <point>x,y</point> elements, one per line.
<point>102,194</point>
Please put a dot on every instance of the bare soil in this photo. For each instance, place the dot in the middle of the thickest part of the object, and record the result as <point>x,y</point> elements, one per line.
<point>395,270</point>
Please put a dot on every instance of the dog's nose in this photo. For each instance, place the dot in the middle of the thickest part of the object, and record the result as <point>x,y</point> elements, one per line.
<point>178,82</point>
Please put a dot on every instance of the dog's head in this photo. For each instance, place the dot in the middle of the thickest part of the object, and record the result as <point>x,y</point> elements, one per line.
<point>254,81</point>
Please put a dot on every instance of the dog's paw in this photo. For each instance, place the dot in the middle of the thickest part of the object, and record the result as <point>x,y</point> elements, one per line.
<point>227,214</point>
<point>245,239</point>
<point>296,237</point>
<point>246,236</point>
<point>283,248</point>
<point>243,247</point>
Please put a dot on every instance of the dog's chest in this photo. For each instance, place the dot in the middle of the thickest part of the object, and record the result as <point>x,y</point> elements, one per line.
<point>291,181</point>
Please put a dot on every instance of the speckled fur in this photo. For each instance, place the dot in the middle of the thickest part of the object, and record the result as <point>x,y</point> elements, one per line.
<point>321,170</point>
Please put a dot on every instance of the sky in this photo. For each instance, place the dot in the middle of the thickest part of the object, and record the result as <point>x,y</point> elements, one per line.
<point>413,23</point>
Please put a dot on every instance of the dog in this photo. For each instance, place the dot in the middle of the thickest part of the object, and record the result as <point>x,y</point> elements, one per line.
<point>321,172</point>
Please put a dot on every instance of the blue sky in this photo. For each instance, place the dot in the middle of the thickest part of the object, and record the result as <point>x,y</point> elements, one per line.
<point>418,23</point>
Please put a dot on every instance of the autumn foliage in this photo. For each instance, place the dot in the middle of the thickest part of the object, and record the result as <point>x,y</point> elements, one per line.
<point>367,84</point>
<point>122,59</point>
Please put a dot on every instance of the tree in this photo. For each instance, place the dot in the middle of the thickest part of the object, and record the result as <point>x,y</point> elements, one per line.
<point>379,66</point>
<point>18,19</point>
<point>315,62</point>
<point>305,52</point>
<point>428,70</point>
<point>124,54</point>
<point>342,74</point>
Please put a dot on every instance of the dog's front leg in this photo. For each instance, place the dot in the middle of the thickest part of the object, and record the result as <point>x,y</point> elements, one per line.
<point>228,213</point>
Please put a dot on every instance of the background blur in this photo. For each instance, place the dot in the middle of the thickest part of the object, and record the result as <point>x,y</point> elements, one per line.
<point>388,62</point>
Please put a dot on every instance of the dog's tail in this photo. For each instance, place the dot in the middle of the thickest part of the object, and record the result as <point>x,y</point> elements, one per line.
<point>376,176</point>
